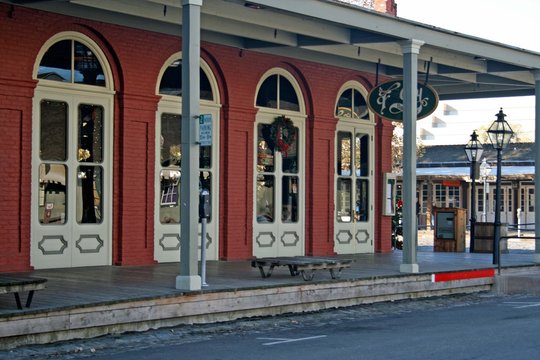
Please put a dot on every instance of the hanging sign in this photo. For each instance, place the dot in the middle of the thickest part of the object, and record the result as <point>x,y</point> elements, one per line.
<point>386,100</point>
<point>205,130</point>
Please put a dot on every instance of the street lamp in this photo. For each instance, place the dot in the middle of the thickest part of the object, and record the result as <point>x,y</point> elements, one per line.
<point>485,170</point>
<point>474,151</point>
<point>500,134</point>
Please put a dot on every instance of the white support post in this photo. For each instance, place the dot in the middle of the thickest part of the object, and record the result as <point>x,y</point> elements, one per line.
<point>536,74</point>
<point>189,278</point>
<point>410,49</point>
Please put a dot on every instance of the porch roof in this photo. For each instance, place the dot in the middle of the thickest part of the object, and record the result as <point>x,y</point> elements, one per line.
<point>458,66</point>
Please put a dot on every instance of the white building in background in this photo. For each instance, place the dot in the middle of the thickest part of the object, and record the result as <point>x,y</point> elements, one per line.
<point>454,121</point>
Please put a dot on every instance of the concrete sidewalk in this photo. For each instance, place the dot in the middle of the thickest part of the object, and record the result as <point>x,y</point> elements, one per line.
<point>88,302</point>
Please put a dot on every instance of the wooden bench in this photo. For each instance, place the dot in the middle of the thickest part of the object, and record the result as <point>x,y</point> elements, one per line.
<point>16,284</point>
<point>304,265</point>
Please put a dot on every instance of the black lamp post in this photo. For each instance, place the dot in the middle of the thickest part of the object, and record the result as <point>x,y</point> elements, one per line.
<point>474,151</point>
<point>500,134</point>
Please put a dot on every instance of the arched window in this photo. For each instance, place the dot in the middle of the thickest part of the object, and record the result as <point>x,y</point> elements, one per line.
<point>71,61</point>
<point>277,92</point>
<point>352,104</point>
<point>171,82</point>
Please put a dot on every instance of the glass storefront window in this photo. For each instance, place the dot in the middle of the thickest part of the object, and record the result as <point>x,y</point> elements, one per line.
<point>170,159</point>
<point>344,197</point>
<point>351,104</point>
<point>265,149</point>
<point>265,198</point>
<point>90,139</point>
<point>89,194</point>
<point>171,82</point>
<point>289,202</point>
<point>344,153</point>
<point>277,92</point>
<point>349,153</point>
<point>361,152</point>
<point>290,159</point>
<point>53,130</point>
<point>361,210</point>
<point>52,194</point>
<point>72,62</point>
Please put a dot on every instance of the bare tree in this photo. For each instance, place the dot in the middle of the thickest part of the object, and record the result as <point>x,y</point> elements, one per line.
<point>397,148</point>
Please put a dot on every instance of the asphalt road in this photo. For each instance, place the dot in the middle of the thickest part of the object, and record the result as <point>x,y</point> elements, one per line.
<point>481,326</point>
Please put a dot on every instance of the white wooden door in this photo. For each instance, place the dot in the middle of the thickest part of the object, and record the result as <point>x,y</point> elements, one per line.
<point>278,224</point>
<point>167,189</point>
<point>71,180</point>
<point>353,218</point>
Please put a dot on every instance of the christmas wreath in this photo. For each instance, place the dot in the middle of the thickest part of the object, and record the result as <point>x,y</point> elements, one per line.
<point>283,133</point>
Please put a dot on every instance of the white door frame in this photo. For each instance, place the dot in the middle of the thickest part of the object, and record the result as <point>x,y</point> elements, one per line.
<point>167,236</point>
<point>278,238</point>
<point>355,236</point>
<point>72,244</point>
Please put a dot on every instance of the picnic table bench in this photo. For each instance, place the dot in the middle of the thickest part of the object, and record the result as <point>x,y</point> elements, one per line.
<point>17,283</point>
<point>304,265</point>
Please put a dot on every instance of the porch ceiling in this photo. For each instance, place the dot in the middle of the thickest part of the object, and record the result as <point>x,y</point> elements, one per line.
<point>329,32</point>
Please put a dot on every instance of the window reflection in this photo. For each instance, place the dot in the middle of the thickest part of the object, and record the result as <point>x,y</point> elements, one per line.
<point>53,130</point>
<point>290,159</point>
<point>352,204</point>
<point>344,153</point>
<point>90,146</point>
<point>52,194</point>
<point>277,92</point>
<point>289,201</point>
<point>343,198</point>
<point>265,198</point>
<point>265,149</point>
<point>361,155</point>
<point>89,194</point>
<point>56,64</point>
<point>351,104</point>
<point>170,172</point>
<point>362,200</point>
<point>171,82</point>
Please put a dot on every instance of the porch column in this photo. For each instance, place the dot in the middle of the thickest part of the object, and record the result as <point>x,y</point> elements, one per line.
<point>536,74</point>
<point>189,279</point>
<point>410,49</point>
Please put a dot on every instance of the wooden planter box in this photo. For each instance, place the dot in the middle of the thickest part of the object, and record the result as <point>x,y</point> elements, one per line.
<point>483,239</point>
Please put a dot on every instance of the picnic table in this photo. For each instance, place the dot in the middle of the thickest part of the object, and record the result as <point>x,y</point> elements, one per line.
<point>12,283</point>
<point>304,265</point>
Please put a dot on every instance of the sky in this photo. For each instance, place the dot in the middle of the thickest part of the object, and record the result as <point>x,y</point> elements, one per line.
<point>513,23</point>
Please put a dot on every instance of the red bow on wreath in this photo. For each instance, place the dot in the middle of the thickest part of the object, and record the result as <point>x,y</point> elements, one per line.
<point>283,133</point>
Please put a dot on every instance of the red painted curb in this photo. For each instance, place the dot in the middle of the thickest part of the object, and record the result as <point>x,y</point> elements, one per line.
<point>462,275</point>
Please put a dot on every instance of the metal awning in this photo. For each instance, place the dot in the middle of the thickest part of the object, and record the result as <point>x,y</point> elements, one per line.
<point>458,66</point>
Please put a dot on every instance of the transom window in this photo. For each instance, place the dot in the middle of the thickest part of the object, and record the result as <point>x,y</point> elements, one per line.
<point>71,61</point>
<point>171,82</point>
<point>352,104</point>
<point>277,92</point>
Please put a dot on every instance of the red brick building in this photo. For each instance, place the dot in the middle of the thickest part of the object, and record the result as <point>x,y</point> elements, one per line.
<point>88,112</point>
<point>91,104</point>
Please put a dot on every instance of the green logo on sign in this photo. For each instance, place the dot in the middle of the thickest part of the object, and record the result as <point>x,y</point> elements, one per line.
<point>386,100</point>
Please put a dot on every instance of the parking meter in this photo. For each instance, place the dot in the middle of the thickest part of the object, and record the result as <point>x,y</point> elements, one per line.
<point>204,205</point>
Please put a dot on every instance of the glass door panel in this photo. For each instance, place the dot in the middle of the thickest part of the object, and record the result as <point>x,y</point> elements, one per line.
<point>353,226</point>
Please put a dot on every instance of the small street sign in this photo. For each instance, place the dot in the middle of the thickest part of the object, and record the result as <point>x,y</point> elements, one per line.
<point>205,130</point>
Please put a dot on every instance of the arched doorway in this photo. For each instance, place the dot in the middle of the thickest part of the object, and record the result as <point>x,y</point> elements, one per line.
<point>72,155</point>
<point>354,188</point>
<point>168,161</point>
<point>279,194</point>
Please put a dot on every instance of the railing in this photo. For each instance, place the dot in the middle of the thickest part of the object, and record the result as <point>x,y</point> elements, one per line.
<point>499,248</point>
